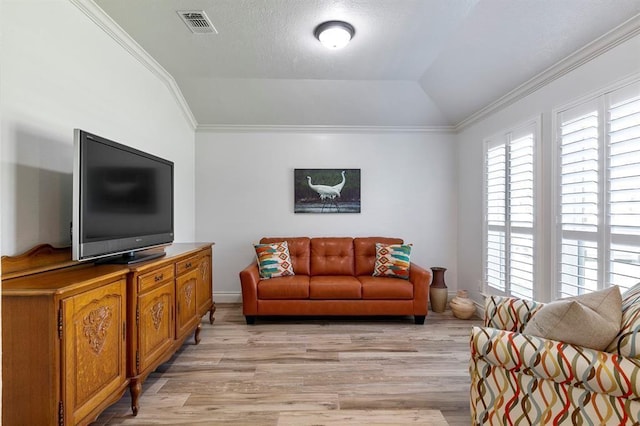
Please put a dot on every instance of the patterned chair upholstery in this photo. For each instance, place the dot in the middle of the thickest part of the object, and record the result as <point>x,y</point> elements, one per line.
<point>519,379</point>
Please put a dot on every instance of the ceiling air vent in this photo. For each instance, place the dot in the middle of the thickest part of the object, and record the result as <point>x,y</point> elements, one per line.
<point>197,21</point>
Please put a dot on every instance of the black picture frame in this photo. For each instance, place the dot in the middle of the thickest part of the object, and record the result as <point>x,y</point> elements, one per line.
<point>326,190</point>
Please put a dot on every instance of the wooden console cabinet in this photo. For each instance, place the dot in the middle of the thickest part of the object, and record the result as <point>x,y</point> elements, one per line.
<point>64,347</point>
<point>168,297</point>
<point>75,336</point>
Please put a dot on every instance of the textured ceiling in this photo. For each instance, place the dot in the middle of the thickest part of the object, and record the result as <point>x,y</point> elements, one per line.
<point>411,62</point>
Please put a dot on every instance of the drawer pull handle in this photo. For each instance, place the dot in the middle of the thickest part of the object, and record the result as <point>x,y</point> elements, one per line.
<point>158,277</point>
<point>188,265</point>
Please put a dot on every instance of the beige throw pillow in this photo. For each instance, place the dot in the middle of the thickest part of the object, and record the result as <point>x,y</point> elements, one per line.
<point>591,320</point>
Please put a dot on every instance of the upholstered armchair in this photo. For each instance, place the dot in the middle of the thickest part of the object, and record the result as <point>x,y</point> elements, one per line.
<point>521,379</point>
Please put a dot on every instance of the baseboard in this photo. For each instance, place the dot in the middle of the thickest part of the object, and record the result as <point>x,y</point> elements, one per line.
<point>479,310</point>
<point>227,297</point>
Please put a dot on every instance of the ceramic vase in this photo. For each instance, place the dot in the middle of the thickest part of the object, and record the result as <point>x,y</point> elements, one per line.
<point>461,306</point>
<point>438,291</point>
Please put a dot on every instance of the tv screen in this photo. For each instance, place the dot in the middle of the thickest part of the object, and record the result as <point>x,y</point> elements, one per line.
<point>122,200</point>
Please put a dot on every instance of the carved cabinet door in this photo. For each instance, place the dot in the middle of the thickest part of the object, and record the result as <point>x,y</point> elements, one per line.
<point>204,288</point>
<point>155,324</point>
<point>186,305</point>
<point>93,353</point>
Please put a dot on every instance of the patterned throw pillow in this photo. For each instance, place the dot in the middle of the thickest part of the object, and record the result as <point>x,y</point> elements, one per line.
<point>509,313</point>
<point>274,260</point>
<point>627,342</point>
<point>392,260</point>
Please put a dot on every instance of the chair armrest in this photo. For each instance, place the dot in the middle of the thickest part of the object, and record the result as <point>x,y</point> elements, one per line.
<point>562,363</point>
<point>249,278</point>
<point>509,313</point>
<point>420,278</point>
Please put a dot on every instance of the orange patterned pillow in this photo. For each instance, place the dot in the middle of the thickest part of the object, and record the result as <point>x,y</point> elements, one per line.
<point>392,260</point>
<point>274,260</point>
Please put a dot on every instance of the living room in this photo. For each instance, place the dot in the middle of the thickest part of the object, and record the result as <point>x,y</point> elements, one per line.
<point>66,65</point>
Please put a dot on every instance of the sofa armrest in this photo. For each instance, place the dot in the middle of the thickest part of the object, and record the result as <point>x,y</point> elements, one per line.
<point>249,278</point>
<point>509,313</point>
<point>595,371</point>
<point>420,278</point>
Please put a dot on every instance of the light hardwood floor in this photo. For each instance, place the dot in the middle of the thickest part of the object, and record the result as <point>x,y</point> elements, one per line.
<point>321,371</point>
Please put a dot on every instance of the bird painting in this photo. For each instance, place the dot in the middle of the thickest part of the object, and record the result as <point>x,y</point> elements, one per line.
<point>328,193</point>
<point>327,190</point>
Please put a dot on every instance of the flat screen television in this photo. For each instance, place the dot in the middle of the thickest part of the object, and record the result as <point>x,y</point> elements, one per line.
<point>122,201</point>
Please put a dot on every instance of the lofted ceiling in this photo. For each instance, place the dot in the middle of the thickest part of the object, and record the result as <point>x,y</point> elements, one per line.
<point>411,63</point>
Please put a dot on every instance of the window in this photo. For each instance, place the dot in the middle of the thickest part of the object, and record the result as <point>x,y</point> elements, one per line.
<point>509,182</point>
<point>598,187</point>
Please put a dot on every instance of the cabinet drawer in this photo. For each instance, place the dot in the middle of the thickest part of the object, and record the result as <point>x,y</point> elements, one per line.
<point>152,279</point>
<point>187,265</point>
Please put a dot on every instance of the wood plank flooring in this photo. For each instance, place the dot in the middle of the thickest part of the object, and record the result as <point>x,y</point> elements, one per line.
<point>319,371</point>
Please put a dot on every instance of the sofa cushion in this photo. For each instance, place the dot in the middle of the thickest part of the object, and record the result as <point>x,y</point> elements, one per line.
<point>627,342</point>
<point>292,287</point>
<point>591,320</point>
<point>274,260</point>
<point>334,287</point>
<point>365,252</point>
<point>392,260</point>
<point>385,288</point>
<point>298,250</point>
<point>332,256</point>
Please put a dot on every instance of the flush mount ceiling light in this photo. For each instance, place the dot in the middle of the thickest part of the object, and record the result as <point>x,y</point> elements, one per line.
<point>334,34</point>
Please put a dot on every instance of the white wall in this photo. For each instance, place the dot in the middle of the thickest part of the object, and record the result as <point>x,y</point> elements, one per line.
<point>244,191</point>
<point>606,69</point>
<point>61,71</point>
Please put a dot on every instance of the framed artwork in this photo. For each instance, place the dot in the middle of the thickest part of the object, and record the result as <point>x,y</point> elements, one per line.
<point>326,190</point>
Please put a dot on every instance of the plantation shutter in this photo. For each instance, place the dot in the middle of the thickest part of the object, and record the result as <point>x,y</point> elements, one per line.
<point>521,215</point>
<point>599,193</point>
<point>496,187</point>
<point>579,202</point>
<point>624,186</point>
<point>509,204</point>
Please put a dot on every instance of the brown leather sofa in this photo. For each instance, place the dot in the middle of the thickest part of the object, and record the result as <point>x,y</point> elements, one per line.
<point>333,276</point>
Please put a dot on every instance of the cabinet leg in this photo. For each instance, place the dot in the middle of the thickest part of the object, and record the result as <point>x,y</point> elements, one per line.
<point>211,311</point>
<point>135,388</point>
<point>197,334</point>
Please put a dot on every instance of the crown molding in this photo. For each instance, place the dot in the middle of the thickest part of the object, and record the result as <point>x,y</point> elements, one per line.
<point>241,128</point>
<point>111,28</point>
<point>599,46</point>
